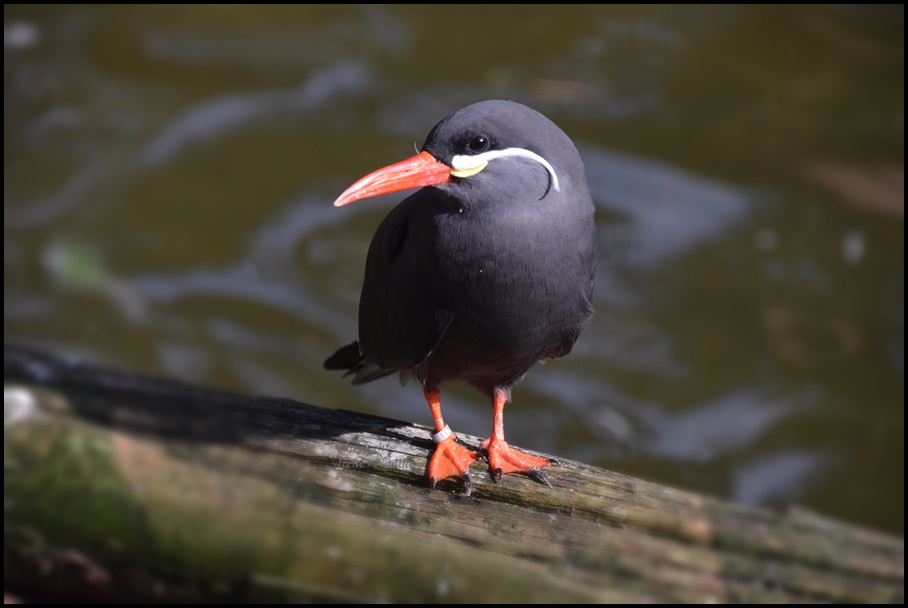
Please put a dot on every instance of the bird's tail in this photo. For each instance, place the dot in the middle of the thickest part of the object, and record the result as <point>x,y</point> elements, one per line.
<point>350,359</point>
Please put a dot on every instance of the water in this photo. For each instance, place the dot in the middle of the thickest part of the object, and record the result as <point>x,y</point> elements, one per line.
<point>169,173</point>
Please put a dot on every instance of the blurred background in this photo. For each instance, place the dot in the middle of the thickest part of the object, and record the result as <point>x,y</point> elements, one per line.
<point>169,174</point>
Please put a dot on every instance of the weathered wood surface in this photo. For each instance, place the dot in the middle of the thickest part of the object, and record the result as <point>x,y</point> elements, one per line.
<point>119,486</point>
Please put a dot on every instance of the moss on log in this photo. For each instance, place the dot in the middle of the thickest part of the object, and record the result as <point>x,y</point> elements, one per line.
<point>124,487</point>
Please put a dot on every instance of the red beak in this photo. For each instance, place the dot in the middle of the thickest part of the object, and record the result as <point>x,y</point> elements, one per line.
<point>415,172</point>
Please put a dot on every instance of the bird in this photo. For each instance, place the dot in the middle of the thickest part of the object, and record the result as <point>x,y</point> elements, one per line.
<point>486,270</point>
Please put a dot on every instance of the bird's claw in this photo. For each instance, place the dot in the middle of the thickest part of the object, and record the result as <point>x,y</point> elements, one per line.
<point>539,476</point>
<point>467,480</point>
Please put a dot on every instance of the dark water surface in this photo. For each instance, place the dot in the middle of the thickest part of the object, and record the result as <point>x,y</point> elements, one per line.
<point>169,173</point>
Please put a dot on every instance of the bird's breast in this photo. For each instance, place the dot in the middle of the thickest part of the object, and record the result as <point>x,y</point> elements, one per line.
<point>519,278</point>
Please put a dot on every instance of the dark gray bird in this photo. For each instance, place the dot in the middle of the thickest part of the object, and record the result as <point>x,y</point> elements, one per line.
<point>485,271</point>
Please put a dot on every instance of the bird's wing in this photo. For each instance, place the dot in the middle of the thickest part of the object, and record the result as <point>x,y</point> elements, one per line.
<point>400,319</point>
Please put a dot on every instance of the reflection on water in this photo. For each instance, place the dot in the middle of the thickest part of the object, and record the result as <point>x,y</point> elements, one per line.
<point>672,211</point>
<point>218,118</point>
<point>169,173</point>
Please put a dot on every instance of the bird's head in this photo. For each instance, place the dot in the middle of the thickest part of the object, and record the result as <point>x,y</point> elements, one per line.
<point>494,144</point>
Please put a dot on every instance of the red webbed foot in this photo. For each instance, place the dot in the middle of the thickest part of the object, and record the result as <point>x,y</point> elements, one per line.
<point>451,460</point>
<point>505,459</point>
<point>502,457</point>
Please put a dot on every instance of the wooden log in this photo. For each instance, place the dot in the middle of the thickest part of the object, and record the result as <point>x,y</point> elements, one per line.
<point>123,487</point>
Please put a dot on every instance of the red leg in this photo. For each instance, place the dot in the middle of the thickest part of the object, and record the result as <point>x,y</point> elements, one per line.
<point>503,458</point>
<point>450,458</point>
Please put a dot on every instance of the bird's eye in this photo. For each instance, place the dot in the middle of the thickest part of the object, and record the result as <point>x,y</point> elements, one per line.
<point>478,144</point>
